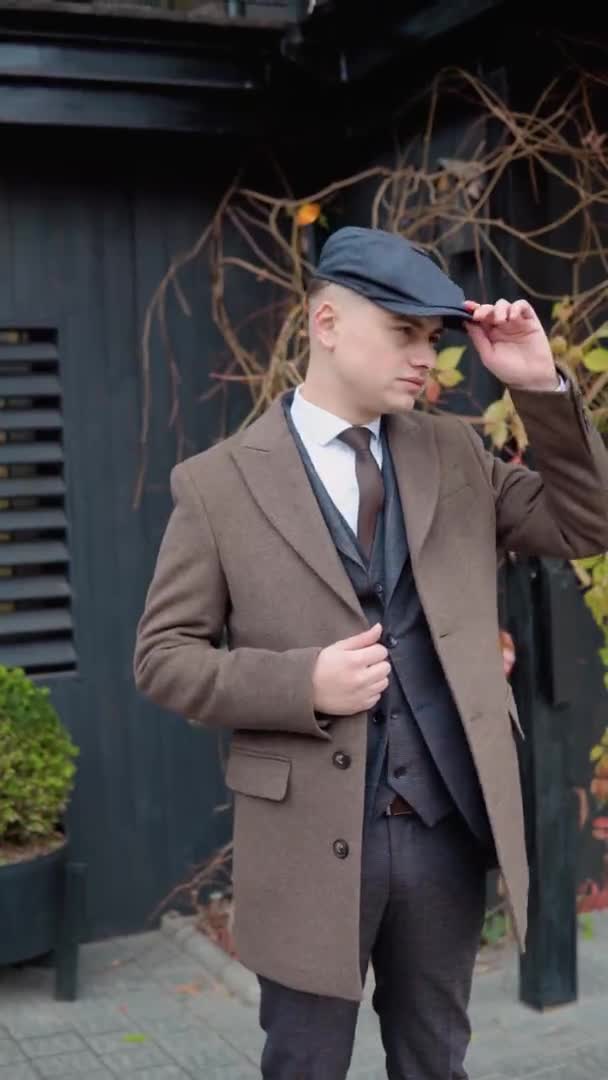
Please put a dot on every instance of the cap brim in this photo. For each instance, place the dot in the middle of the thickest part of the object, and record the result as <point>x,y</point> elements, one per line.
<point>451,315</point>
<point>406,306</point>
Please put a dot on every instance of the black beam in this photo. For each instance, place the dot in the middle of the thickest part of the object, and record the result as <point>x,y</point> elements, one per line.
<point>544,605</point>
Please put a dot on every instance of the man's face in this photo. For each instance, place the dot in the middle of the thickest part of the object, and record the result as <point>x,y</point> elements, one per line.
<point>380,360</point>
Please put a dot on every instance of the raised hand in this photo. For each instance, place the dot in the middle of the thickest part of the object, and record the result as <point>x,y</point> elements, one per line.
<point>512,344</point>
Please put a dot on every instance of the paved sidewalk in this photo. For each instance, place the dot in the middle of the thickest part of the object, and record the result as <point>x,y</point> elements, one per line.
<point>147,1011</point>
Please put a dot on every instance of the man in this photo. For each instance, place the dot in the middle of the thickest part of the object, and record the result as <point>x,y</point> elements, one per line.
<point>349,546</point>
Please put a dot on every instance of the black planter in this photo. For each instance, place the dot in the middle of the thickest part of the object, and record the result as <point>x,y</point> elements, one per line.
<point>31,906</point>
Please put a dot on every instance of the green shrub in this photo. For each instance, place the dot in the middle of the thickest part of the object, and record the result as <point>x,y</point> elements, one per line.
<point>36,761</point>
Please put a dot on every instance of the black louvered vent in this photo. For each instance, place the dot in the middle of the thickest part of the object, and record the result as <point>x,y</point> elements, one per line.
<point>36,631</point>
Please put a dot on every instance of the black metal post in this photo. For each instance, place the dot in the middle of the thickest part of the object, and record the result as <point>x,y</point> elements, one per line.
<point>542,597</point>
<point>70,932</point>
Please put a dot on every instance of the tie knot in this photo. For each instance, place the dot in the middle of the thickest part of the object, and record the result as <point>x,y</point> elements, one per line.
<point>358,438</point>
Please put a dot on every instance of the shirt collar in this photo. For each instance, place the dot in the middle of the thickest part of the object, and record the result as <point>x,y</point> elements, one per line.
<point>317,425</point>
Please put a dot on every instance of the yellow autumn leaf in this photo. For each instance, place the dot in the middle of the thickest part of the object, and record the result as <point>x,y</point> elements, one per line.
<point>563,309</point>
<point>449,378</point>
<point>497,411</point>
<point>500,434</point>
<point>596,360</point>
<point>449,358</point>
<point>519,432</point>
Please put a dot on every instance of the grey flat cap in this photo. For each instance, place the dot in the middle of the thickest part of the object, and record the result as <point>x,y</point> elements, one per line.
<point>388,270</point>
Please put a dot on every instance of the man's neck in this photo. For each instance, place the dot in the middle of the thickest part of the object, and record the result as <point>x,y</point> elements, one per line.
<point>334,403</point>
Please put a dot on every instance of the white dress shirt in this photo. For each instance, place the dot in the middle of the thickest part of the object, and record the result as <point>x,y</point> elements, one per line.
<point>333,459</point>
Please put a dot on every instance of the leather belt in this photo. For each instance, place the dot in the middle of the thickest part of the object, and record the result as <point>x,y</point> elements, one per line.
<point>399,806</point>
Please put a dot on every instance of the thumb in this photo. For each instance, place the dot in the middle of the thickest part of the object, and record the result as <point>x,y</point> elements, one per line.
<point>363,640</point>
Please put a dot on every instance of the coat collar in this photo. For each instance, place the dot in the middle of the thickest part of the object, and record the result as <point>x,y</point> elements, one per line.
<point>272,468</point>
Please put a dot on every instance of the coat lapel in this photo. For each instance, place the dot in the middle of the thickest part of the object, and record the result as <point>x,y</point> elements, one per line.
<point>416,463</point>
<point>272,469</point>
<point>395,535</point>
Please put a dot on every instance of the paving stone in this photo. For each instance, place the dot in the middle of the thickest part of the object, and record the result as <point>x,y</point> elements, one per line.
<point>130,987</point>
<point>161,1072</point>
<point>67,1064</point>
<point>18,1072</point>
<point>97,1074</point>
<point>221,1072</point>
<point>136,1056</point>
<point>52,1044</point>
<point>90,1020</point>
<point>173,1025</point>
<point>587,1063</point>
<point>10,1052</point>
<point>30,1021</point>
<point>119,1040</point>
<point>154,1004</point>
<point>199,1049</point>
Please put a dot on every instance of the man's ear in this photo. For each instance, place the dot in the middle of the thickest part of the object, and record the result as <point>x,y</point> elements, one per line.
<point>323,322</point>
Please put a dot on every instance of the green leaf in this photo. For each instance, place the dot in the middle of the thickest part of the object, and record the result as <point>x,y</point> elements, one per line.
<point>496,412</point>
<point>450,378</point>
<point>596,359</point>
<point>585,922</point>
<point>134,1038</point>
<point>448,359</point>
<point>500,434</point>
<point>596,753</point>
<point>589,560</point>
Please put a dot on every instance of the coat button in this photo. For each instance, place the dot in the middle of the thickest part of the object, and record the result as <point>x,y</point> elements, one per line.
<point>341,760</point>
<point>340,849</point>
<point>378,717</point>
<point>391,641</point>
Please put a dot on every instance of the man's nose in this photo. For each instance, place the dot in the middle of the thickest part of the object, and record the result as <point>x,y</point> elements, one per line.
<point>424,358</point>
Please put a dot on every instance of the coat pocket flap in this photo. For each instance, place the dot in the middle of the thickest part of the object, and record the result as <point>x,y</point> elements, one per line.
<point>257,774</point>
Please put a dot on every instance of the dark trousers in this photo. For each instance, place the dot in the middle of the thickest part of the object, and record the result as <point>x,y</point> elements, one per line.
<point>422,909</point>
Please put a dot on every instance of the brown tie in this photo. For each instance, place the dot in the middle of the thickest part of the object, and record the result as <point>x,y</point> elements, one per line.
<point>371,486</point>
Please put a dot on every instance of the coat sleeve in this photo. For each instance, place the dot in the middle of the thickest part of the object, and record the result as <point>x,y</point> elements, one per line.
<point>558,507</point>
<point>179,662</point>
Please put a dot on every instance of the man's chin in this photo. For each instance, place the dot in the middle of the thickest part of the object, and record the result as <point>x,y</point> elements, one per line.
<point>402,400</point>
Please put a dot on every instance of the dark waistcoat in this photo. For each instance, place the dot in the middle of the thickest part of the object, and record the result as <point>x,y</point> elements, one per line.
<point>417,746</point>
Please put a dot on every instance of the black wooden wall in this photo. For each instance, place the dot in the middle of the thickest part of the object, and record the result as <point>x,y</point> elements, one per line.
<point>88,226</point>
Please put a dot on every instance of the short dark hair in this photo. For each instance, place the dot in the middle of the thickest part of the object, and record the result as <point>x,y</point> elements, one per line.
<point>315,287</point>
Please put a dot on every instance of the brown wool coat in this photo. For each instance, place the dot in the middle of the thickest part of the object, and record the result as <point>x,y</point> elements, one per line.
<point>246,546</point>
